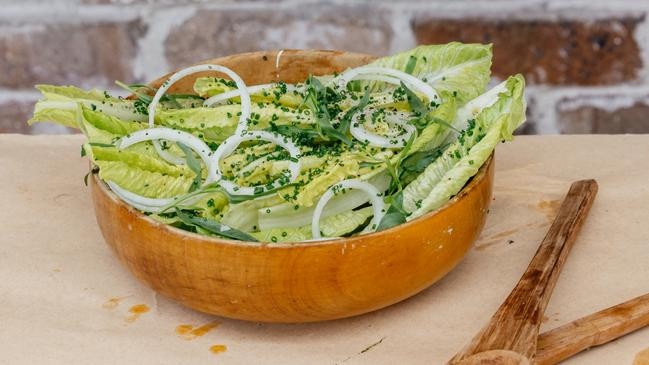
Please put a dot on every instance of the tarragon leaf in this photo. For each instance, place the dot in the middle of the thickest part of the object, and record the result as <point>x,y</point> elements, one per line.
<point>214,227</point>
<point>194,165</point>
<point>416,105</point>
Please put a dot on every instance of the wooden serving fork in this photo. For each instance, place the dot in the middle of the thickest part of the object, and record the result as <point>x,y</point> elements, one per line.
<point>593,330</point>
<point>512,335</point>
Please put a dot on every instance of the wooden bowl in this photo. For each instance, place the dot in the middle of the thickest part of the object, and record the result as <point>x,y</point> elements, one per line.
<point>301,282</point>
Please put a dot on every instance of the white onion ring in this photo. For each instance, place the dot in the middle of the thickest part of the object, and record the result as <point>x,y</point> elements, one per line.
<point>143,203</point>
<point>173,135</point>
<point>393,77</point>
<point>374,196</point>
<point>142,200</point>
<point>152,204</point>
<point>138,201</point>
<point>255,89</point>
<point>232,142</point>
<point>256,163</point>
<point>245,102</point>
<point>360,133</point>
<point>378,77</point>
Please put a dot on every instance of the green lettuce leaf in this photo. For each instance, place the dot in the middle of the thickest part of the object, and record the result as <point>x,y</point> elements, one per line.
<point>455,67</point>
<point>60,104</point>
<point>258,171</point>
<point>292,215</point>
<point>102,129</point>
<point>437,128</point>
<point>210,86</point>
<point>333,226</point>
<point>138,168</point>
<point>461,160</point>
<point>317,175</point>
<point>244,215</point>
<point>108,123</point>
<point>141,174</point>
<point>334,171</point>
<point>217,123</point>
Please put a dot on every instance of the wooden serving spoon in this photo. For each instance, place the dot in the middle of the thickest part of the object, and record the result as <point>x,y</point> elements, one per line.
<point>510,338</point>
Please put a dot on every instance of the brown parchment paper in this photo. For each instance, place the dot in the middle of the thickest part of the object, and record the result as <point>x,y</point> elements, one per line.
<point>57,277</point>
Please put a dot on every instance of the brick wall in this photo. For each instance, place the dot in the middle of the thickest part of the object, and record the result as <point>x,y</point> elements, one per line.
<point>585,60</point>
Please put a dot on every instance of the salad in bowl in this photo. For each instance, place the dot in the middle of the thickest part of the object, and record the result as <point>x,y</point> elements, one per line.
<point>332,156</point>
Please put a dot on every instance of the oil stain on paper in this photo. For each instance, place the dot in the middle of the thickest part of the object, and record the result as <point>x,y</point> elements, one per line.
<point>189,332</point>
<point>136,311</point>
<point>548,208</point>
<point>495,239</point>
<point>217,349</point>
<point>112,303</point>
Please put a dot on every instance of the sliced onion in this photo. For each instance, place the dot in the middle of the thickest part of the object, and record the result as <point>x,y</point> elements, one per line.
<point>245,102</point>
<point>388,75</point>
<point>166,155</point>
<point>249,168</point>
<point>138,201</point>
<point>161,202</point>
<point>232,142</point>
<point>235,93</point>
<point>218,98</point>
<point>151,204</point>
<point>373,195</point>
<point>173,135</point>
<point>378,77</point>
<point>359,132</point>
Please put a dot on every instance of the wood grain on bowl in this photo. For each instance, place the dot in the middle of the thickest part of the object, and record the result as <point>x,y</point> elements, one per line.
<point>291,66</point>
<point>301,282</point>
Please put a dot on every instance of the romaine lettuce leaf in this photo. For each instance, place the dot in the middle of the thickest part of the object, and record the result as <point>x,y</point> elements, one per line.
<point>437,129</point>
<point>462,159</point>
<point>210,86</point>
<point>104,129</point>
<point>138,168</point>
<point>110,124</point>
<point>332,226</point>
<point>258,171</point>
<point>217,123</point>
<point>61,103</point>
<point>144,175</point>
<point>244,215</point>
<point>291,215</point>
<point>453,67</point>
<point>245,155</point>
<point>140,161</point>
<point>452,181</point>
<point>341,168</point>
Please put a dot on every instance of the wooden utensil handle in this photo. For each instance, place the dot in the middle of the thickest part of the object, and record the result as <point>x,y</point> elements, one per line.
<point>595,329</point>
<point>515,326</point>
